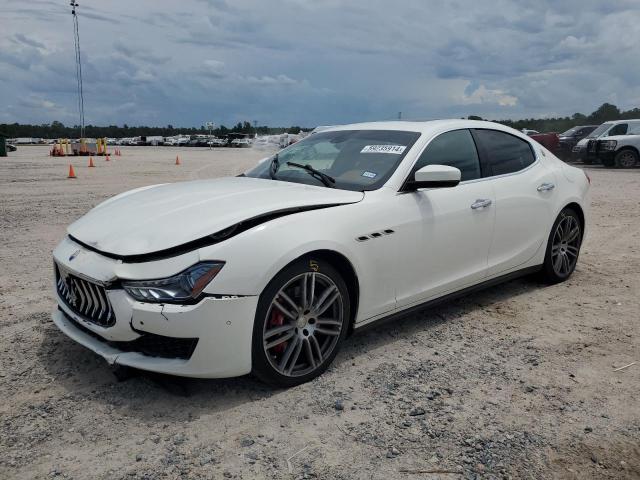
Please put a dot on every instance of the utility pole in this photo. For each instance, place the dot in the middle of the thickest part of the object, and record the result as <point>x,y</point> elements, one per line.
<point>76,41</point>
<point>210,127</point>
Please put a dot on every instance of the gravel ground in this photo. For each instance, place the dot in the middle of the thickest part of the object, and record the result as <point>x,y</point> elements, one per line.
<point>517,381</point>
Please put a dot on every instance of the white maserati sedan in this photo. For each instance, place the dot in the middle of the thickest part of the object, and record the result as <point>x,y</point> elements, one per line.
<point>268,272</point>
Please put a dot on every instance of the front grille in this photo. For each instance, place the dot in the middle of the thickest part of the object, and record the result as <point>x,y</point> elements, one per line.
<point>148,344</point>
<point>85,298</point>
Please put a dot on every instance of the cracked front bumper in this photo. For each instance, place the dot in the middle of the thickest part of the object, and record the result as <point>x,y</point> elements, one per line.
<point>209,339</point>
<point>222,326</point>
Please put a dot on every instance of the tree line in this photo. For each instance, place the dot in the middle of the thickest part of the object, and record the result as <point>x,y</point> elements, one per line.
<point>604,113</point>
<point>59,130</point>
<point>56,129</point>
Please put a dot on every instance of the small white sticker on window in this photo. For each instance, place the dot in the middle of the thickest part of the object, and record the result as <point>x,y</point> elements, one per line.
<point>394,149</point>
<point>369,174</point>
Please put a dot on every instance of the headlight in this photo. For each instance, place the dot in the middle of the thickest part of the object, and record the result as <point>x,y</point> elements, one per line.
<point>608,145</point>
<point>180,288</point>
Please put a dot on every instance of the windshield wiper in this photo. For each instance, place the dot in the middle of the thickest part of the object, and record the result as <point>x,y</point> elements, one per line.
<point>273,168</point>
<point>323,177</point>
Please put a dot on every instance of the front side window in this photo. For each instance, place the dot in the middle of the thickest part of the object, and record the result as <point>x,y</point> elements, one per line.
<point>455,149</point>
<point>619,129</point>
<point>356,159</point>
<point>505,153</point>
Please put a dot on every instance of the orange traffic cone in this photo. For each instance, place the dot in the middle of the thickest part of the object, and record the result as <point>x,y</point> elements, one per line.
<point>106,158</point>
<point>72,173</point>
<point>177,160</point>
<point>91,162</point>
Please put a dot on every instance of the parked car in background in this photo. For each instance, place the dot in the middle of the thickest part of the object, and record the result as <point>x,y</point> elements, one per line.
<point>571,137</point>
<point>241,143</point>
<point>11,147</point>
<point>550,140</point>
<point>217,142</point>
<point>620,151</point>
<point>585,149</point>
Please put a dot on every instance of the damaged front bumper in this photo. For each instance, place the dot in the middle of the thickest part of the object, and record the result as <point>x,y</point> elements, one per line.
<point>209,339</point>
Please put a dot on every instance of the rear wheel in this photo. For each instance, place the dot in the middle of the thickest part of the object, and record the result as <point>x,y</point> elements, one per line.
<point>626,159</point>
<point>563,247</point>
<point>301,320</point>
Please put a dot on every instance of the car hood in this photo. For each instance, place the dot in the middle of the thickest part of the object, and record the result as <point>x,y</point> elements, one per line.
<point>161,217</point>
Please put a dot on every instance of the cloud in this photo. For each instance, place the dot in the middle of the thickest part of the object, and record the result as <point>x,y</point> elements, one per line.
<point>309,63</point>
<point>23,39</point>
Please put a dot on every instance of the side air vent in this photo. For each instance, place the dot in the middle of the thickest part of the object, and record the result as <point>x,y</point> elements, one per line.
<point>374,235</point>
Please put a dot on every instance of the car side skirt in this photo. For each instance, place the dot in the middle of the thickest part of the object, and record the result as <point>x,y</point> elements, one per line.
<point>448,297</point>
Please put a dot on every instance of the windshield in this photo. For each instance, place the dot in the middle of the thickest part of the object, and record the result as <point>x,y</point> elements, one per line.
<point>600,130</point>
<point>570,132</point>
<point>357,159</point>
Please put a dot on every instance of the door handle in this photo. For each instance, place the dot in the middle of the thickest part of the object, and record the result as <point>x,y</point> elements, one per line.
<point>481,203</point>
<point>545,187</point>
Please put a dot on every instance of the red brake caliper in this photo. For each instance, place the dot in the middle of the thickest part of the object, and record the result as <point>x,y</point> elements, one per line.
<point>277,319</point>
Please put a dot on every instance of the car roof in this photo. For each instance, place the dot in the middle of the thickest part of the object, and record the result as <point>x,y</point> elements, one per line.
<point>429,126</point>
<point>630,120</point>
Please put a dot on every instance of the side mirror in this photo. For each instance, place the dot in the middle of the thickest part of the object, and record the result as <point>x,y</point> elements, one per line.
<point>435,176</point>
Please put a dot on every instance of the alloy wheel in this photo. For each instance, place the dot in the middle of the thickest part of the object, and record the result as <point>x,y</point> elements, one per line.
<point>565,245</point>
<point>626,159</point>
<point>303,324</point>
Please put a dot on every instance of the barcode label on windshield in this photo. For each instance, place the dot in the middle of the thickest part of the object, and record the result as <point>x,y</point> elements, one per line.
<point>394,149</point>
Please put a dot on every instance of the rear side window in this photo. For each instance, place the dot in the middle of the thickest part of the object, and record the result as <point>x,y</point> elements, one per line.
<point>455,149</point>
<point>505,153</point>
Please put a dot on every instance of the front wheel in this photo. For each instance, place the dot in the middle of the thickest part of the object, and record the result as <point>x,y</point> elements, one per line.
<point>563,247</point>
<point>626,159</point>
<point>301,320</point>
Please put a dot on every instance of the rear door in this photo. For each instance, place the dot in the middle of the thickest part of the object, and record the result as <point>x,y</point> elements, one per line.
<point>524,190</point>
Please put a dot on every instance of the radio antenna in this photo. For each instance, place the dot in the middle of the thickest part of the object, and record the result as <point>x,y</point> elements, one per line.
<point>76,41</point>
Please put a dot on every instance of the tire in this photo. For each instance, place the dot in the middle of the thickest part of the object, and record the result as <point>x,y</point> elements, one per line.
<point>626,159</point>
<point>285,357</point>
<point>563,247</point>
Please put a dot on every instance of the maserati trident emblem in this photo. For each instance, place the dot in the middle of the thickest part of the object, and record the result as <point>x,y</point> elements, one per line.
<point>73,297</point>
<point>74,255</point>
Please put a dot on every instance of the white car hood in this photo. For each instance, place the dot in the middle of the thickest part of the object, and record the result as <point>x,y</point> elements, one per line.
<point>153,219</point>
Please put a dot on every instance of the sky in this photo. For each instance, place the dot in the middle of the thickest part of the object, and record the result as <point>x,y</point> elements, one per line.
<point>321,62</point>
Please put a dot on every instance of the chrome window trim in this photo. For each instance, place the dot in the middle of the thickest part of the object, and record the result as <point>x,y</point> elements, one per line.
<point>481,179</point>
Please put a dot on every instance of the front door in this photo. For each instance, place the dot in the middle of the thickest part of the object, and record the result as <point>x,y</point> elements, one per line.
<point>445,233</point>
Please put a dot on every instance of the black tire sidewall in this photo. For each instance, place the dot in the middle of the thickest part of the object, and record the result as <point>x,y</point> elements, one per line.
<point>620,153</point>
<point>549,273</point>
<point>261,367</point>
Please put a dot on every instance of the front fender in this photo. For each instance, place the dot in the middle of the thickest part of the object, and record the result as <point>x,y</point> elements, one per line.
<point>254,257</point>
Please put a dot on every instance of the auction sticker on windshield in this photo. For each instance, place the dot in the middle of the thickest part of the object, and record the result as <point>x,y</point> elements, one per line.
<point>394,149</point>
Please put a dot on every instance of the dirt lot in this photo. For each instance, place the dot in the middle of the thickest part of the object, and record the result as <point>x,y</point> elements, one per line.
<point>517,381</point>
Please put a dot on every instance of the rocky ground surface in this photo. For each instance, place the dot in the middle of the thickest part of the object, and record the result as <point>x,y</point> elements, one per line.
<point>518,381</point>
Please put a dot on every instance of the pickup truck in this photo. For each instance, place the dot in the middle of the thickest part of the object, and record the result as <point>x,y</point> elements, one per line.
<point>620,151</point>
